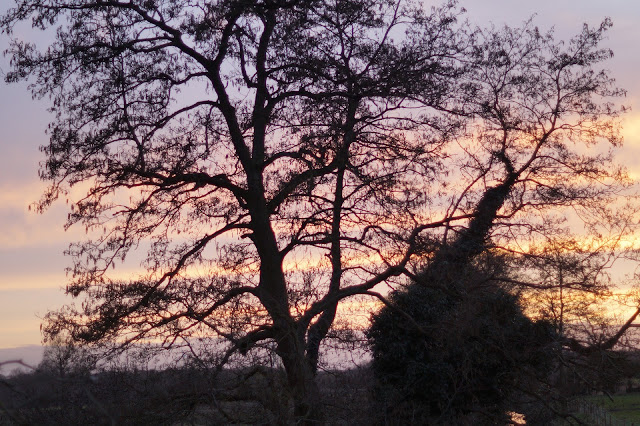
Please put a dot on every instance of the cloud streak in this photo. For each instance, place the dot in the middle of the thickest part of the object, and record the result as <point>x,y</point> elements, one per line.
<point>31,245</point>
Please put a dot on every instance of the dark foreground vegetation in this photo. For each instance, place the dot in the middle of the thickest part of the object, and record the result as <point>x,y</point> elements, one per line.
<point>131,393</point>
<point>256,395</point>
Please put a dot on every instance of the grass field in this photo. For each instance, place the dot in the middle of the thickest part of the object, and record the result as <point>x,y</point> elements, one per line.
<point>622,407</point>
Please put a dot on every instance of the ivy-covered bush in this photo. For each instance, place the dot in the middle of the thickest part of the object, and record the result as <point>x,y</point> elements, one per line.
<point>466,353</point>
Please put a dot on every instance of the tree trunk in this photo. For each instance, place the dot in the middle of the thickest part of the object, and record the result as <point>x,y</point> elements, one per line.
<point>289,339</point>
<point>451,259</point>
<point>301,379</point>
<point>472,240</point>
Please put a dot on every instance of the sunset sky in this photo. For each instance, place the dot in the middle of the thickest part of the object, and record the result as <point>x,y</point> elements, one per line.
<point>31,262</point>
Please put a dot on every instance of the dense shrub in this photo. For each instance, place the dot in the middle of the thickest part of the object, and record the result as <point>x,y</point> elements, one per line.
<point>466,354</point>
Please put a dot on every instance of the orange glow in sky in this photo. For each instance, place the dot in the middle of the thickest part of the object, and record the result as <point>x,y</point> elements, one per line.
<point>32,267</point>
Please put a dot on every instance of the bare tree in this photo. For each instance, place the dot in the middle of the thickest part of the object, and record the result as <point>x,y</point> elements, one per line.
<point>536,179</point>
<point>232,140</point>
<point>537,174</point>
<point>63,357</point>
<point>273,158</point>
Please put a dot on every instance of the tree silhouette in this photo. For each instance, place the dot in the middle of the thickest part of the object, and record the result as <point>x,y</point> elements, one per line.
<point>273,158</point>
<point>521,172</point>
<point>231,139</point>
